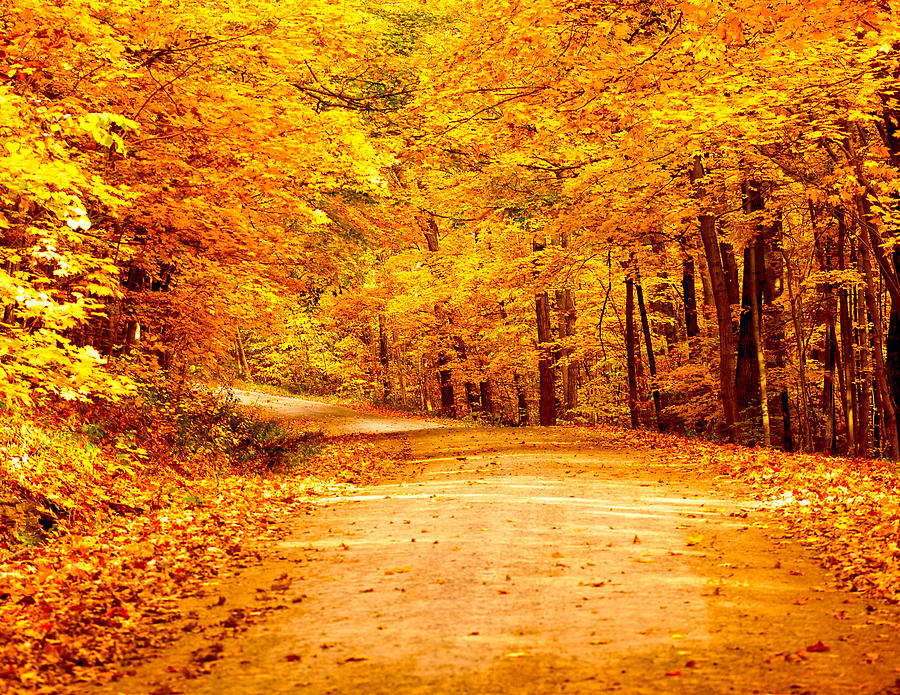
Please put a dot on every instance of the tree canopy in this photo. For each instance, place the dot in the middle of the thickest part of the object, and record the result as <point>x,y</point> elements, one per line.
<point>674,214</point>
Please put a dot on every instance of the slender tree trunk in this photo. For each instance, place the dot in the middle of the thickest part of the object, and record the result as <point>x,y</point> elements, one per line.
<point>746,379</point>
<point>709,301</point>
<point>730,270</point>
<point>726,332</point>
<point>473,397</point>
<point>546,375</point>
<point>571,369</point>
<point>384,360</point>
<point>242,355</point>
<point>429,229</point>
<point>400,364</point>
<point>760,350</point>
<point>864,377</point>
<point>799,333</point>
<point>521,400</point>
<point>848,358</point>
<point>631,351</point>
<point>886,404</point>
<point>648,344</point>
<point>692,327</point>
<point>828,403</point>
<point>487,400</point>
<point>445,378</point>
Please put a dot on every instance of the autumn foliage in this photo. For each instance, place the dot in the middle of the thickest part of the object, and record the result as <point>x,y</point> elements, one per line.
<point>679,216</point>
<point>449,207</point>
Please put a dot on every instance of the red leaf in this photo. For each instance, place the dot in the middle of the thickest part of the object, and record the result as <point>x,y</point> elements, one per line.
<point>818,647</point>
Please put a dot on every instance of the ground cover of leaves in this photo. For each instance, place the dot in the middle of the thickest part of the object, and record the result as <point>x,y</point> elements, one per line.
<point>846,510</point>
<point>72,609</point>
<point>102,590</point>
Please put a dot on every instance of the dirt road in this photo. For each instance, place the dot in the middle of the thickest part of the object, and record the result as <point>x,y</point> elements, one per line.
<point>527,561</point>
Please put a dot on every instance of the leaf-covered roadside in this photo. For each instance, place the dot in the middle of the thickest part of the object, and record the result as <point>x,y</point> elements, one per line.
<point>847,511</point>
<point>73,608</point>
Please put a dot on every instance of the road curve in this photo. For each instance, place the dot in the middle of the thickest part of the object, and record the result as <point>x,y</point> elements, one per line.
<point>332,419</point>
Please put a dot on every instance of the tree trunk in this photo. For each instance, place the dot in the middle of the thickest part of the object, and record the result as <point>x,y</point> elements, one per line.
<point>746,380</point>
<point>448,398</point>
<point>565,302</point>
<point>242,355</point>
<point>487,401</point>
<point>886,404</point>
<point>631,351</point>
<point>648,344</point>
<point>864,380</point>
<point>400,363</point>
<point>524,417</point>
<point>730,270</point>
<point>384,360</point>
<point>429,229</point>
<point>848,356</point>
<point>723,313</point>
<point>829,406</point>
<point>760,350</point>
<point>546,375</point>
<point>692,327</point>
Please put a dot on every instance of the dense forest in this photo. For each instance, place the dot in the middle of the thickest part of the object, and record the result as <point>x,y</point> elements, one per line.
<point>673,215</point>
<point>672,224</point>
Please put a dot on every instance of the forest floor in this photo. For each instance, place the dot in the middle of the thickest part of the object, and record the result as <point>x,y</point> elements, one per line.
<point>543,560</point>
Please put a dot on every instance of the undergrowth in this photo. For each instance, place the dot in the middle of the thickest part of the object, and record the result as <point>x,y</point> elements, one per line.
<point>71,466</point>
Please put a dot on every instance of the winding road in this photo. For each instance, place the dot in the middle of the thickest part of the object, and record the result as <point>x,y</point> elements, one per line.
<point>531,561</point>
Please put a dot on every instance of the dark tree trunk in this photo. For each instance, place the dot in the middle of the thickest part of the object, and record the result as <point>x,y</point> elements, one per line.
<point>723,313</point>
<point>631,351</point>
<point>828,402</point>
<point>882,392</point>
<point>651,358</point>
<point>863,380</point>
<point>242,355</point>
<point>448,398</point>
<point>487,400</point>
<point>383,359</point>
<point>546,374</point>
<point>692,327</point>
<point>729,268</point>
<point>848,356</point>
<point>747,371</point>
<point>565,303</point>
<point>524,417</point>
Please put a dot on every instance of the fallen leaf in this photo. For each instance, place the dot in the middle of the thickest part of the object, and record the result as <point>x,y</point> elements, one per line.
<point>354,658</point>
<point>818,647</point>
<point>399,570</point>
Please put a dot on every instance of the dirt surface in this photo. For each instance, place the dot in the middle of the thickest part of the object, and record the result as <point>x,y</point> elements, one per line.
<point>332,419</point>
<point>527,561</point>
